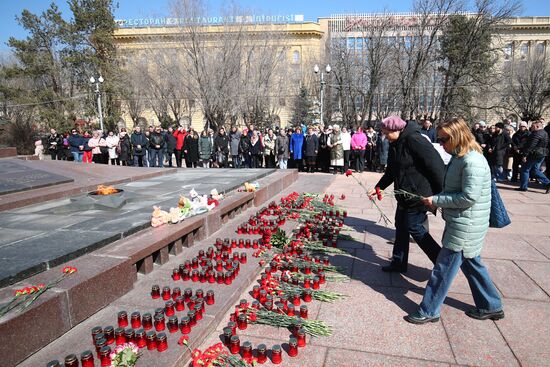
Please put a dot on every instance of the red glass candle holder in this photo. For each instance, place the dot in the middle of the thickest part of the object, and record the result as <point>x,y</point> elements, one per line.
<point>71,360</point>
<point>301,338</point>
<point>87,359</point>
<point>140,339</point>
<point>292,347</point>
<point>195,275</point>
<point>185,326</point>
<point>307,295</point>
<point>176,292</point>
<point>192,318</point>
<point>242,322</point>
<point>210,300</point>
<point>122,319</point>
<point>202,276</point>
<point>220,278</point>
<point>187,294</point>
<point>119,336</point>
<point>261,353</point>
<point>147,321</point>
<point>180,304</point>
<point>173,324</point>
<point>162,342</point>
<point>246,350</point>
<point>227,334</point>
<point>169,308</point>
<point>198,311</point>
<point>228,277</point>
<point>276,354</point>
<point>130,335</point>
<point>96,331</point>
<point>185,275</point>
<point>303,311</point>
<point>241,243</point>
<point>99,343</point>
<point>176,274</point>
<point>109,332</point>
<point>296,300</point>
<point>151,338</point>
<point>235,345</point>
<point>307,283</point>
<point>135,320</point>
<point>290,310</point>
<point>159,323</point>
<point>192,301</point>
<point>243,258</point>
<point>105,356</point>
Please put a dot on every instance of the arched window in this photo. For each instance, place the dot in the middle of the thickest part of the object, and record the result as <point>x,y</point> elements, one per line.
<point>524,50</point>
<point>540,48</point>
<point>508,52</point>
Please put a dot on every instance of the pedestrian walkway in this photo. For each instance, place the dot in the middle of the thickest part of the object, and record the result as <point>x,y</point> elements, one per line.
<point>369,329</point>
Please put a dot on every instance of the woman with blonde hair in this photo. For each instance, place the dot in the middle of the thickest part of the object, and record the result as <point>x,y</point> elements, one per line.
<point>466,204</point>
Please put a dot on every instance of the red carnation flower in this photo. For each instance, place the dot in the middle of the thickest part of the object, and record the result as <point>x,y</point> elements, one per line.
<point>349,173</point>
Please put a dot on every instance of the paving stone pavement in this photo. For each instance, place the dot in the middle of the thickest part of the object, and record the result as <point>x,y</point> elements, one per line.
<point>369,329</point>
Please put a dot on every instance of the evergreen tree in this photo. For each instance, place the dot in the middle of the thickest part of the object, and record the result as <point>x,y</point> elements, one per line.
<point>302,109</point>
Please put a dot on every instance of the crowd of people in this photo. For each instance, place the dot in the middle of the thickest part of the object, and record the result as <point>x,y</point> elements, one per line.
<point>310,149</point>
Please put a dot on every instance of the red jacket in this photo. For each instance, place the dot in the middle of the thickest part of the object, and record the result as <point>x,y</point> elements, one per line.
<point>180,136</point>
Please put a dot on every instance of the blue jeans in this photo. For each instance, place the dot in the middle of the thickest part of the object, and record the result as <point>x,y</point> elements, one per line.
<point>532,165</point>
<point>77,156</point>
<point>154,156</point>
<point>486,297</point>
<point>411,222</point>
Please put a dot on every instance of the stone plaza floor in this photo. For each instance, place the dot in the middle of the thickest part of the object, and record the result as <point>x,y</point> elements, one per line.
<point>369,329</point>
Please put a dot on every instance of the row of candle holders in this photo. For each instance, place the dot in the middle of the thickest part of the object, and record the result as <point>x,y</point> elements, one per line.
<point>145,331</point>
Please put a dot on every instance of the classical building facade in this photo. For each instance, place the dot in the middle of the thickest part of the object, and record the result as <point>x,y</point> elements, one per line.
<point>307,43</point>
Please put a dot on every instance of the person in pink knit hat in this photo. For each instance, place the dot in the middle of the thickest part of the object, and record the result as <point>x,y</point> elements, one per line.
<point>414,167</point>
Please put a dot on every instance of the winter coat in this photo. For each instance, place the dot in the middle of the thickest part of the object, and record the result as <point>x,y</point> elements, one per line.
<point>234,141</point>
<point>157,139</point>
<point>536,145</point>
<point>466,203</point>
<point>311,145</point>
<point>180,138</point>
<point>96,143</point>
<point>519,140</point>
<point>55,142</point>
<point>382,148</point>
<point>191,145</point>
<point>499,145</point>
<point>414,166</point>
<point>112,142</point>
<point>281,147</point>
<point>221,143</point>
<point>244,145</point>
<point>256,148</point>
<point>269,144</point>
<point>75,141</point>
<point>171,143</point>
<point>346,140</point>
<point>296,143</point>
<point>205,147</point>
<point>480,136</point>
<point>139,139</point>
<point>336,150</point>
<point>358,141</point>
<point>125,147</point>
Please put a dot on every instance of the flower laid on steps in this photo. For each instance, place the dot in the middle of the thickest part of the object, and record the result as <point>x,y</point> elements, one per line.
<point>383,216</point>
<point>216,355</point>
<point>24,297</point>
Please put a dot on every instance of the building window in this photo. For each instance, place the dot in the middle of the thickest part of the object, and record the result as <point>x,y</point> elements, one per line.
<point>508,52</point>
<point>296,57</point>
<point>540,49</point>
<point>524,50</point>
<point>351,43</point>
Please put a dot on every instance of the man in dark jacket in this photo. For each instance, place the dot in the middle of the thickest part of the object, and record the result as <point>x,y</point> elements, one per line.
<point>55,145</point>
<point>480,133</point>
<point>311,148</point>
<point>139,146</point>
<point>536,149</point>
<point>76,142</point>
<point>170,145</point>
<point>157,144</point>
<point>221,148</point>
<point>519,139</point>
<point>497,146</point>
<point>323,159</point>
<point>416,169</point>
<point>427,130</point>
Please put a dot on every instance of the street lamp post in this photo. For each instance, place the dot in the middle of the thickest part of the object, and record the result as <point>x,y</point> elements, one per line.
<point>98,93</point>
<point>316,70</point>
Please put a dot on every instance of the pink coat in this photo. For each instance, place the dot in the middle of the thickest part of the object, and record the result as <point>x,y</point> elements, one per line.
<point>358,141</point>
<point>95,143</point>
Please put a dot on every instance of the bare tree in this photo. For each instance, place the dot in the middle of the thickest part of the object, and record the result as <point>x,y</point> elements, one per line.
<point>528,91</point>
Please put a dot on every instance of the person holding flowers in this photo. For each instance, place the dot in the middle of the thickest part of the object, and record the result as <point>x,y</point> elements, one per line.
<point>466,204</point>
<point>416,170</point>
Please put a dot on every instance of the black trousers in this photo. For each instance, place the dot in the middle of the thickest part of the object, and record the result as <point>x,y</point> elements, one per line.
<point>178,154</point>
<point>57,155</point>
<point>346,159</point>
<point>169,157</point>
<point>359,160</point>
<point>410,222</point>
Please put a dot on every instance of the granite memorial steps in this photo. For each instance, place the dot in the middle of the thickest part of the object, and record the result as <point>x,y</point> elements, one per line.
<point>99,267</point>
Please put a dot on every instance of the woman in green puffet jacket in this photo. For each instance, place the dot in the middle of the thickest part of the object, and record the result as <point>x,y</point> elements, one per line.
<point>466,204</point>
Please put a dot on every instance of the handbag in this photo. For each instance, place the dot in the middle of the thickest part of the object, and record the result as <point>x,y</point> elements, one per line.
<point>499,216</point>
